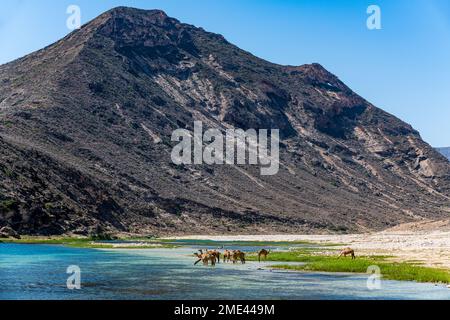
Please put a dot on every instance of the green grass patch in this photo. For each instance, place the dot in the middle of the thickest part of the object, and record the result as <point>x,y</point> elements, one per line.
<point>91,242</point>
<point>330,262</point>
<point>47,240</point>
<point>284,256</point>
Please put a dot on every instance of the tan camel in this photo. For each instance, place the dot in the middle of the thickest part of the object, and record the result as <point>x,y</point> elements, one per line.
<point>205,257</point>
<point>201,257</point>
<point>227,256</point>
<point>348,251</point>
<point>214,253</point>
<point>263,253</point>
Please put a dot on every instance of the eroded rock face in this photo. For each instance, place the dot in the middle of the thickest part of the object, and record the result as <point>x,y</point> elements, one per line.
<point>85,145</point>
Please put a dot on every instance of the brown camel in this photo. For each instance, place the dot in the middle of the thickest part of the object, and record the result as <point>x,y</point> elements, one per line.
<point>348,251</point>
<point>238,254</point>
<point>263,253</point>
<point>216,254</point>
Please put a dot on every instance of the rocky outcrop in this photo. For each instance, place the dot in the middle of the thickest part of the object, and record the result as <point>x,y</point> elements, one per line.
<point>7,232</point>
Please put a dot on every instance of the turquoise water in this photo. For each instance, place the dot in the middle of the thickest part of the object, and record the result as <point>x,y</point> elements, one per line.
<point>39,272</point>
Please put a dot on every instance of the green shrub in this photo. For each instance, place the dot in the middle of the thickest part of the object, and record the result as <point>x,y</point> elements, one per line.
<point>8,205</point>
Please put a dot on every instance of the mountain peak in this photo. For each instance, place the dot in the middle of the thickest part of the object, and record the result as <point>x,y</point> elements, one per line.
<point>132,24</point>
<point>123,11</point>
<point>122,17</point>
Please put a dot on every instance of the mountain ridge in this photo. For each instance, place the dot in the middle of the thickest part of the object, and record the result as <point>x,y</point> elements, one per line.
<point>86,126</point>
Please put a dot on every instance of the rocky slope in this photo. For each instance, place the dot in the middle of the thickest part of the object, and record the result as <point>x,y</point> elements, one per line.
<point>85,127</point>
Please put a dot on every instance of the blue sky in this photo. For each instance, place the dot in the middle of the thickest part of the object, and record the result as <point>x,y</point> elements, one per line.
<point>403,68</point>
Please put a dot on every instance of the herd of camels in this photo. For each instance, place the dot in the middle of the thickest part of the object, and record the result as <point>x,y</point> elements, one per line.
<point>213,256</point>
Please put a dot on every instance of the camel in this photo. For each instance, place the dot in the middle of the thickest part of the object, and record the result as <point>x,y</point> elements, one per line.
<point>213,256</point>
<point>216,254</point>
<point>238,254</point>
<point>201,257</point>
<point>263,253</point>
<point>205,257</point>
<point>348,251</point>
<point>227,256</point>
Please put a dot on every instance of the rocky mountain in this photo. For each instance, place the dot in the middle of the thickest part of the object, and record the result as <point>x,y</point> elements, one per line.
<point>85,140</point>
<point>445,152</point>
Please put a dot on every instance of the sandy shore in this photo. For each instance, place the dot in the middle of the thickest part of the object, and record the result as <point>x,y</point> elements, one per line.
<point>426,242</point>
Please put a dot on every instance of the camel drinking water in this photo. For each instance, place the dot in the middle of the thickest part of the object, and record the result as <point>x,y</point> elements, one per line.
<point>205,257</point>
<point>238,255</point>
<point>213,256</point>
<point>227,256</point>
<point>215,253</point>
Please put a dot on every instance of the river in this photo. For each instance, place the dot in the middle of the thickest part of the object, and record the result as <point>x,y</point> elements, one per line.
<point>38,272</point>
